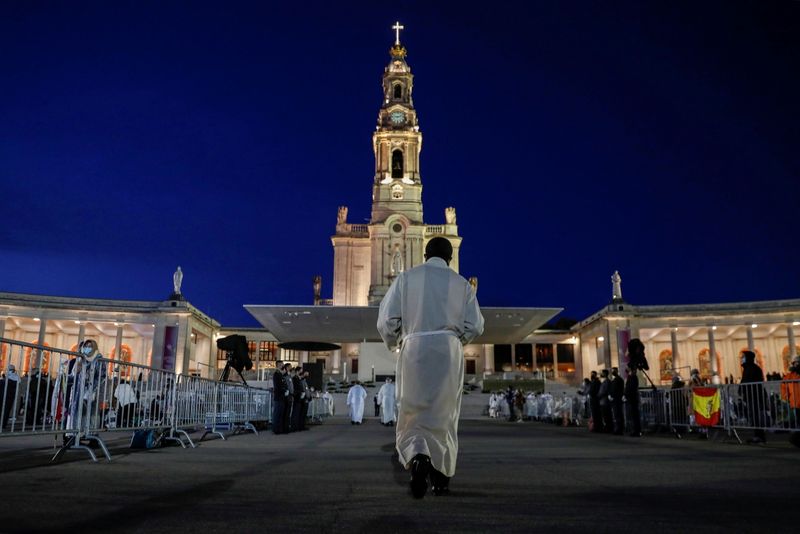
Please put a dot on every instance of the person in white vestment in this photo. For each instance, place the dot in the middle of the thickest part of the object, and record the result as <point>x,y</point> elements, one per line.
<point>492,406</point>
<point>430,313</point>
<point>386,400</point>
<point>355,403</point>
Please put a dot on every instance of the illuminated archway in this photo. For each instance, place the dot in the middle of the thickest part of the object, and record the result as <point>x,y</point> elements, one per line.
<point>786,359</point>
<point>665,364</point>
<point>42,362</point>
<point>704,359</point>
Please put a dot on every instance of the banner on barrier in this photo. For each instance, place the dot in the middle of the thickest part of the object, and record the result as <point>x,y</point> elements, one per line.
<point>705,403</point>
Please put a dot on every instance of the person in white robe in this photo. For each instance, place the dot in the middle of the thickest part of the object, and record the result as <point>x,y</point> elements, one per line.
<point>355,403</point>
<point>429,313</point>
<point>386,400</point>
<point>493,406</point>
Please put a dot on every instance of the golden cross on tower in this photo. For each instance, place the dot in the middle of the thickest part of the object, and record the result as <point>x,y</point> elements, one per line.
<point>397,27</point>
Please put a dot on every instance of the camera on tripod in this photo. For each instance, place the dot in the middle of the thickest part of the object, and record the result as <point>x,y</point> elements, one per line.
<point>237,354</point>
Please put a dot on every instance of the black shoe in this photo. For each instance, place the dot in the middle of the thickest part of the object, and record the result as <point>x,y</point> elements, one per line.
<point>420,468</point>
<point>440,483</point>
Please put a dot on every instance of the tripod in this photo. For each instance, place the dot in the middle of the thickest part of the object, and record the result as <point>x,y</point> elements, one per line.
<point>223,377</point>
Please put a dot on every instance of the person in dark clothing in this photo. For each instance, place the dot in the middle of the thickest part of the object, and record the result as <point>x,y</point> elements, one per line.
<point>279,394</point>
<point>754,396</point>
<point>632,401</point>
<point>297,395</point>
<point>604,401</point>
<point>678,405</point>
<point>512,416</point>
<point>306,399</point>
<point>617,391</point>
<point>584,392</point>
<point>594,403</point>
<point>289,407</point>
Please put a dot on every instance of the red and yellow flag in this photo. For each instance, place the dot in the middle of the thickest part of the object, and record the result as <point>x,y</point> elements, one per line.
<point>705,403</point>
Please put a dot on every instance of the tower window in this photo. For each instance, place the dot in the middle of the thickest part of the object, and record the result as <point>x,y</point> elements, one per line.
<point>398,91</point>
<point>397,164</point>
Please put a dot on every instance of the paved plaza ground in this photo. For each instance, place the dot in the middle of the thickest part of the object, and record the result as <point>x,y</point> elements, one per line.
<point>512,477</point>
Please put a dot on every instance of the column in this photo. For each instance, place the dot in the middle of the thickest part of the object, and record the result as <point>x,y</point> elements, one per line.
<point>712,349</point>
<point>118,343</point>
<point>3,326</point>
<point>789,334</point>
<point>513,357</point>
<point>555,360</point>
<point>157,358</point>
<point>676,360</point>
<point>36,355</point>
<point>488,359</point>
<point>751,344</point>
<point>337,361</point>
<point>185,346</point>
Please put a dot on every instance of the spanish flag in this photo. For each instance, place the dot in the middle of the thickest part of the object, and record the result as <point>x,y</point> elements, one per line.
<point>705,403</point>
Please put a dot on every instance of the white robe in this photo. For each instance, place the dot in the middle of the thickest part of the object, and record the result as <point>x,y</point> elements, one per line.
<point>355,402</point>
<point>386,400</point>
<point>430,312</point>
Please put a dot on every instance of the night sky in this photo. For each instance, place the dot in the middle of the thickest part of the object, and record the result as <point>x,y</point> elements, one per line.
<point>574,138</point>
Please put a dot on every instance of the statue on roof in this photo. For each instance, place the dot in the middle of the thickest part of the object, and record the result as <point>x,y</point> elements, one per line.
<point>177,280</point>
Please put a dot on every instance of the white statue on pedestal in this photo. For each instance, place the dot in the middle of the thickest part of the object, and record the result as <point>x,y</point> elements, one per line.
<point>177,279</point>
<point>616,280</point>
<point>342,216</point>
<point>450,215</point>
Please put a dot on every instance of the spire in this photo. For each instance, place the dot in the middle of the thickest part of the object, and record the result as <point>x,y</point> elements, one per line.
<point>398,52</point>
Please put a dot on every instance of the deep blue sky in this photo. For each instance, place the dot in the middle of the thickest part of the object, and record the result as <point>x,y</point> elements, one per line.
<point>574,138</point>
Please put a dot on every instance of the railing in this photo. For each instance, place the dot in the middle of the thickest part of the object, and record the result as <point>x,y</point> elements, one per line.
<point>358,229</point>
<point>772,406</point>
<point>80,397</point>
<point>436,229</point>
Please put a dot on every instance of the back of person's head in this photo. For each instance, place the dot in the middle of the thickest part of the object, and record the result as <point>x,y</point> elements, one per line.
<point>635,346</point>
<point>439,247</point>
<point>795,365</point>
<point>748,356</point>
<point>594,374</point>
<point>604,373</point>
<point>614,371</point>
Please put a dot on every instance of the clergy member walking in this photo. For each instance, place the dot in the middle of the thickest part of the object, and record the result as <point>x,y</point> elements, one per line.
<point>386,400</point>
<point>430,313</point>
<point>355,403</point>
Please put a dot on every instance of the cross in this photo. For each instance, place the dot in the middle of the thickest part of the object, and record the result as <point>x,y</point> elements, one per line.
<point>397,27</point>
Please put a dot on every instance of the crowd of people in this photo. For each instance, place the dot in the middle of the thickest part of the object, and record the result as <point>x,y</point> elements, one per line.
<point>611,404</point>
<point>291,396</point>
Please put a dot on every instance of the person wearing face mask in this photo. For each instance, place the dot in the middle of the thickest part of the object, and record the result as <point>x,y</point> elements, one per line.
<point>85,377</point>
<point>753,394</point>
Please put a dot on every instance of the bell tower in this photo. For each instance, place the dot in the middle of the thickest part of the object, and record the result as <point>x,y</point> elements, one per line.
<point>368,257</point>
<point>397,143</point>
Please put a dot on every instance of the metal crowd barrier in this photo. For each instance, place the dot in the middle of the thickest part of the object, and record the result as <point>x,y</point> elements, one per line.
<point>771,406</point>
<point>318,409</point>
<point>63,392</point>
<point>29,376</point>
